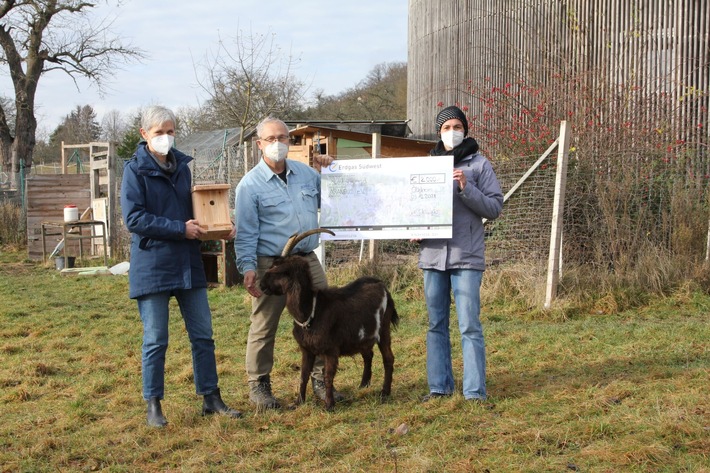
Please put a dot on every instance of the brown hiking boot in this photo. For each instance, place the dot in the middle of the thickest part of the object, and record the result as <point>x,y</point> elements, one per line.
<point>260,394</point>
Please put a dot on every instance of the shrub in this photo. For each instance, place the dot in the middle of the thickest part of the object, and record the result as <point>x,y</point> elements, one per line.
<point>12,225</point>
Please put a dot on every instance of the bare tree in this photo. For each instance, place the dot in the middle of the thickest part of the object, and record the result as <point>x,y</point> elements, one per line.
<point>249,80</point>
<point>382,95</point>
<point>191,119</point>
<point>385,91</point>
<point>40,36</point>
<point>113,126</point>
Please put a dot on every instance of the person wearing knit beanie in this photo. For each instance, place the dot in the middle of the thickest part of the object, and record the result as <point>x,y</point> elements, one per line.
<point>449,113</point>
<point>452,128</point>
<point>455,265</point>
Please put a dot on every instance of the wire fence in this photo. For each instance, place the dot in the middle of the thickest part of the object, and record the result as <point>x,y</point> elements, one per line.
<point>521,233</point>
<point>618,204</point>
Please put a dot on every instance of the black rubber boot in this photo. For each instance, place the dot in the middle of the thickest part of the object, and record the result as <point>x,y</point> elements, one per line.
<point>155,413</point>
<point>213,404</point>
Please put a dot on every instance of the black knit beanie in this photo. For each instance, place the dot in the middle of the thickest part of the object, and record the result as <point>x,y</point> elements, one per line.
<point>449,113</point>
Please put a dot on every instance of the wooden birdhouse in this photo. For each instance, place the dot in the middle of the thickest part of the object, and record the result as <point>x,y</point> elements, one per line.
<point>210,204</point>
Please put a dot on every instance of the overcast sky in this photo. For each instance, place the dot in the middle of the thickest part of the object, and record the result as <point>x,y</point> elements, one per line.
<point>338,43</point>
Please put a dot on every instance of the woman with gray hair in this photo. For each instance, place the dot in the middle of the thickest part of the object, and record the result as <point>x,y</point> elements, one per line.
<point>166,262</point>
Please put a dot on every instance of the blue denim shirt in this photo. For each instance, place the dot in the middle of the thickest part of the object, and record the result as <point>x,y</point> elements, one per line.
<point>267,211</point>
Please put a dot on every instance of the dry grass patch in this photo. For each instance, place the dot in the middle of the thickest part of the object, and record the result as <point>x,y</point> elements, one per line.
<point>621,391</point>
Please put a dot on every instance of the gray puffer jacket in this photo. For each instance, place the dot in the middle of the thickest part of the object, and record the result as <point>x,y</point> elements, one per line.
<point>481,198</point>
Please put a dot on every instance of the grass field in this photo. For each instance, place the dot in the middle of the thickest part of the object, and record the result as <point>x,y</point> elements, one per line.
<point>627,391</point>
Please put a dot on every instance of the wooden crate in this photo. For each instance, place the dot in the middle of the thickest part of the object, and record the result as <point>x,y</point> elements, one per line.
<point>220,263</point>
<point>210,205</point>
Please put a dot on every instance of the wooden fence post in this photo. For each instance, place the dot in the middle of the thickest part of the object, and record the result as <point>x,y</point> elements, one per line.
<point>376,152</point>
<point>553,267</point>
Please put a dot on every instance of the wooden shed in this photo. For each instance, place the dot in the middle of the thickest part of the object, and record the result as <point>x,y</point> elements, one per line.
<point>346,144</point>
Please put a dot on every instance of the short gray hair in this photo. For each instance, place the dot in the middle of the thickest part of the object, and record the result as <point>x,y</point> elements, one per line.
<point>156,115</point>
<point>262,124</point>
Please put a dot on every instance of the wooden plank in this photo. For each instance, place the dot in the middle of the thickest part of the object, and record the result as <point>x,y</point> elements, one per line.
<point>46,197</point>
<point>660,46</point>
<point>553,267</point>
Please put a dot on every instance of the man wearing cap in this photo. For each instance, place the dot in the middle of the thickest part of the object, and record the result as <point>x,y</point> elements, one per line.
<point>457,264</point>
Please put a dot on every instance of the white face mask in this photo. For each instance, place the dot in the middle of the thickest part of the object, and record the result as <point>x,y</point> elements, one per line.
<point>162,143</point>
<point>452,138</point>
<point>276,151</point>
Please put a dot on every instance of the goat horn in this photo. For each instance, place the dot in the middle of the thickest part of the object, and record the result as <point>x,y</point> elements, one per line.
<point>295,238</point>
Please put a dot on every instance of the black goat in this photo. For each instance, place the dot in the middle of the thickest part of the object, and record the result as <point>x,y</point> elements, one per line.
<point>335,321</point>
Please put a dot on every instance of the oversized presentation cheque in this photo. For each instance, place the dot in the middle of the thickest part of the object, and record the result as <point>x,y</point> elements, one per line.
<point>392,198</point>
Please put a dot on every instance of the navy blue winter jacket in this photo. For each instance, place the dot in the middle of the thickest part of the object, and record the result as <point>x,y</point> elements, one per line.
<point>155,207</point>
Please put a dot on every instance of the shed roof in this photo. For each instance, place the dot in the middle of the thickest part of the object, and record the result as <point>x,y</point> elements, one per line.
<point>398,128</point>
<point>358,136</point>
<point>384,127</point>
<point>230,136</point>
<point>209,140</point>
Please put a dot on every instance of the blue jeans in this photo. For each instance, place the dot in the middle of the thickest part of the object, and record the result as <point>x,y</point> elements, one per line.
<point>466,285</point>
<point>196,313</point>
